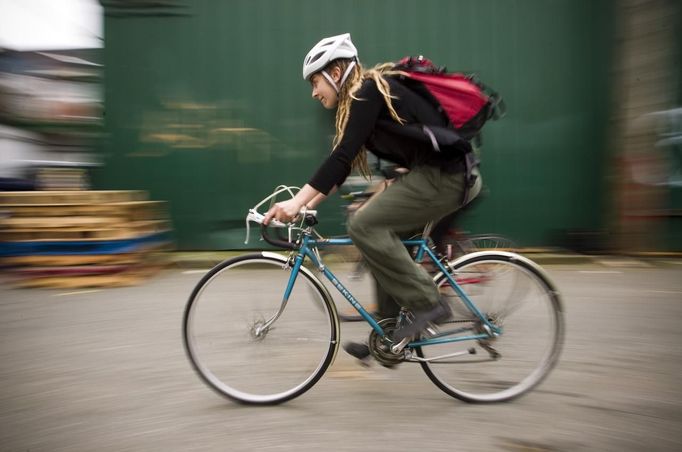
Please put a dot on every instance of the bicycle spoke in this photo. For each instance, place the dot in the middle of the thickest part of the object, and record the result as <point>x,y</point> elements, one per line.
<point>515,297</point>
<point>245,346</point>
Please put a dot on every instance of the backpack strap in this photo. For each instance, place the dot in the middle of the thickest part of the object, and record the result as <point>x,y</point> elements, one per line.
<point>441,139</point>
<point>471,161</point>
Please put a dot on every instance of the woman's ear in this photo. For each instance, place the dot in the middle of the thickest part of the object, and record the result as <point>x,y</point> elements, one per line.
<point>335,74</point>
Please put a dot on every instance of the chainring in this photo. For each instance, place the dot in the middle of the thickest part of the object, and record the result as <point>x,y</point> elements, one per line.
<point>380,347</point>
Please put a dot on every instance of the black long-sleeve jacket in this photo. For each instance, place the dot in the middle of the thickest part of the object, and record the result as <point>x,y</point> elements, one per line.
<point>362,129</point>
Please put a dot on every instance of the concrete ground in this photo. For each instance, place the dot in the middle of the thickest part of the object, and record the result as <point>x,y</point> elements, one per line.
<point>105,370</point>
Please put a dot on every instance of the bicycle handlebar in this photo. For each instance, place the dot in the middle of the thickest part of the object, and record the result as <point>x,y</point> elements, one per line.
<point>278,242</point>
<point>309,219</point>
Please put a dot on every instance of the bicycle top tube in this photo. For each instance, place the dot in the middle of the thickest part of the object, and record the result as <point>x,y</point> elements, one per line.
<point>345,241</point>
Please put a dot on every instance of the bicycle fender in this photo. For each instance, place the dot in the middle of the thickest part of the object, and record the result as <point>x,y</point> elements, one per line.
<point>284,260</point>
<point>506,254</point>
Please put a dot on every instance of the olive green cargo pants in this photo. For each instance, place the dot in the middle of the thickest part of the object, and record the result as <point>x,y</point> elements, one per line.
<point>424,194</point>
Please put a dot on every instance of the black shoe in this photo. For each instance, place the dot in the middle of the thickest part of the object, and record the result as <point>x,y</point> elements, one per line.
<point>436,314</point>
<point>357,349</point>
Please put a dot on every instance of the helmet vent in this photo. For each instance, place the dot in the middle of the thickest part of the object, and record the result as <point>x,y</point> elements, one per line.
<point>315,58</point>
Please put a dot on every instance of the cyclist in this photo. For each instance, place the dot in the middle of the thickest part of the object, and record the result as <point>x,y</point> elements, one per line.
<point>433,188</point>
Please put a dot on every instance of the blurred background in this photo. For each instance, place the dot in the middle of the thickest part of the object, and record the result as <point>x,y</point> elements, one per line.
<point>133,126</point>
<point>201,104</point>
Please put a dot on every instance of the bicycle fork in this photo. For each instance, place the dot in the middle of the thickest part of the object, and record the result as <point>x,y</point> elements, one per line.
<point>260,330</point>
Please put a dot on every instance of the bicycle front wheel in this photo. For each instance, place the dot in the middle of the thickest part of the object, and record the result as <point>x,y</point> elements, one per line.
<point>515,295</point>
<point>247,343</point>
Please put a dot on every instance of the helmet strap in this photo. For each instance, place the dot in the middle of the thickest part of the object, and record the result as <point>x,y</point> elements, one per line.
<point>343,79</point>
<point>330,80</point>
<point>347,73</point>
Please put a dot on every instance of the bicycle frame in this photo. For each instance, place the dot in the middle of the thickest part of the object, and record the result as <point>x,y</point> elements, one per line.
<point>308,248</point>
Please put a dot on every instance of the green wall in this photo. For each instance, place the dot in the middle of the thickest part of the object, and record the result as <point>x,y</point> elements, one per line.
<point>206,108</point>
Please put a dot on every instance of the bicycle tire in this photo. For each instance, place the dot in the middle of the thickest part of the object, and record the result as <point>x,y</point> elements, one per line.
<point>505,287</point>
<point>222,326</point>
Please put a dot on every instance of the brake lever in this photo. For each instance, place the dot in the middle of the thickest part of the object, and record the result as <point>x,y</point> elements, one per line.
<point>258,218</point>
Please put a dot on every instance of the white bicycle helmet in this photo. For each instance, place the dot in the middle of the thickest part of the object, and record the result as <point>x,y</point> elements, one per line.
<point>326,51</point>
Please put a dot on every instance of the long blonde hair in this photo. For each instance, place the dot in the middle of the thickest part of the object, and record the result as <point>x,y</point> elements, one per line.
<point>347,94</point>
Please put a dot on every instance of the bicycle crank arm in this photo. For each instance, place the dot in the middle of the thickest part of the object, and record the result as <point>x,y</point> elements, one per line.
<point>471,351</point>
<point>397,348</point>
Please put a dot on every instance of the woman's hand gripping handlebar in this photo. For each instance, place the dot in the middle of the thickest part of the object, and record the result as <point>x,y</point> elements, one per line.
<point>281,215</point>
<point>308,218</point>
<point>284,211</point>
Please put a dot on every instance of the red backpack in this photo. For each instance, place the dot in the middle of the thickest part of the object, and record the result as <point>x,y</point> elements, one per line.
<point>467,103</point>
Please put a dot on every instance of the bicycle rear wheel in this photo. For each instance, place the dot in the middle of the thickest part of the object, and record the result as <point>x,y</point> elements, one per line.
<point>515,295</point>
<point>239,345</point>
<point>455,246</point>
<point>491,242</point>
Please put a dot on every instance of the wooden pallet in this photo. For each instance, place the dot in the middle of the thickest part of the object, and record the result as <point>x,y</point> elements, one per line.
<point>83,276</point>
<point>60,260</point>
<point>80,239</point>
<point>45,271</point>
<point>62,178</point>
<point>121,231</point>
<point>61,222</point>
<point>70,197</point>
<point>129,210</point>
<point>154,250</point>
<point>85,247</point>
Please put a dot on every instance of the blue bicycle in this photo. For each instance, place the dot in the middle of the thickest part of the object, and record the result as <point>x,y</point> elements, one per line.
<point>262,328</point>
